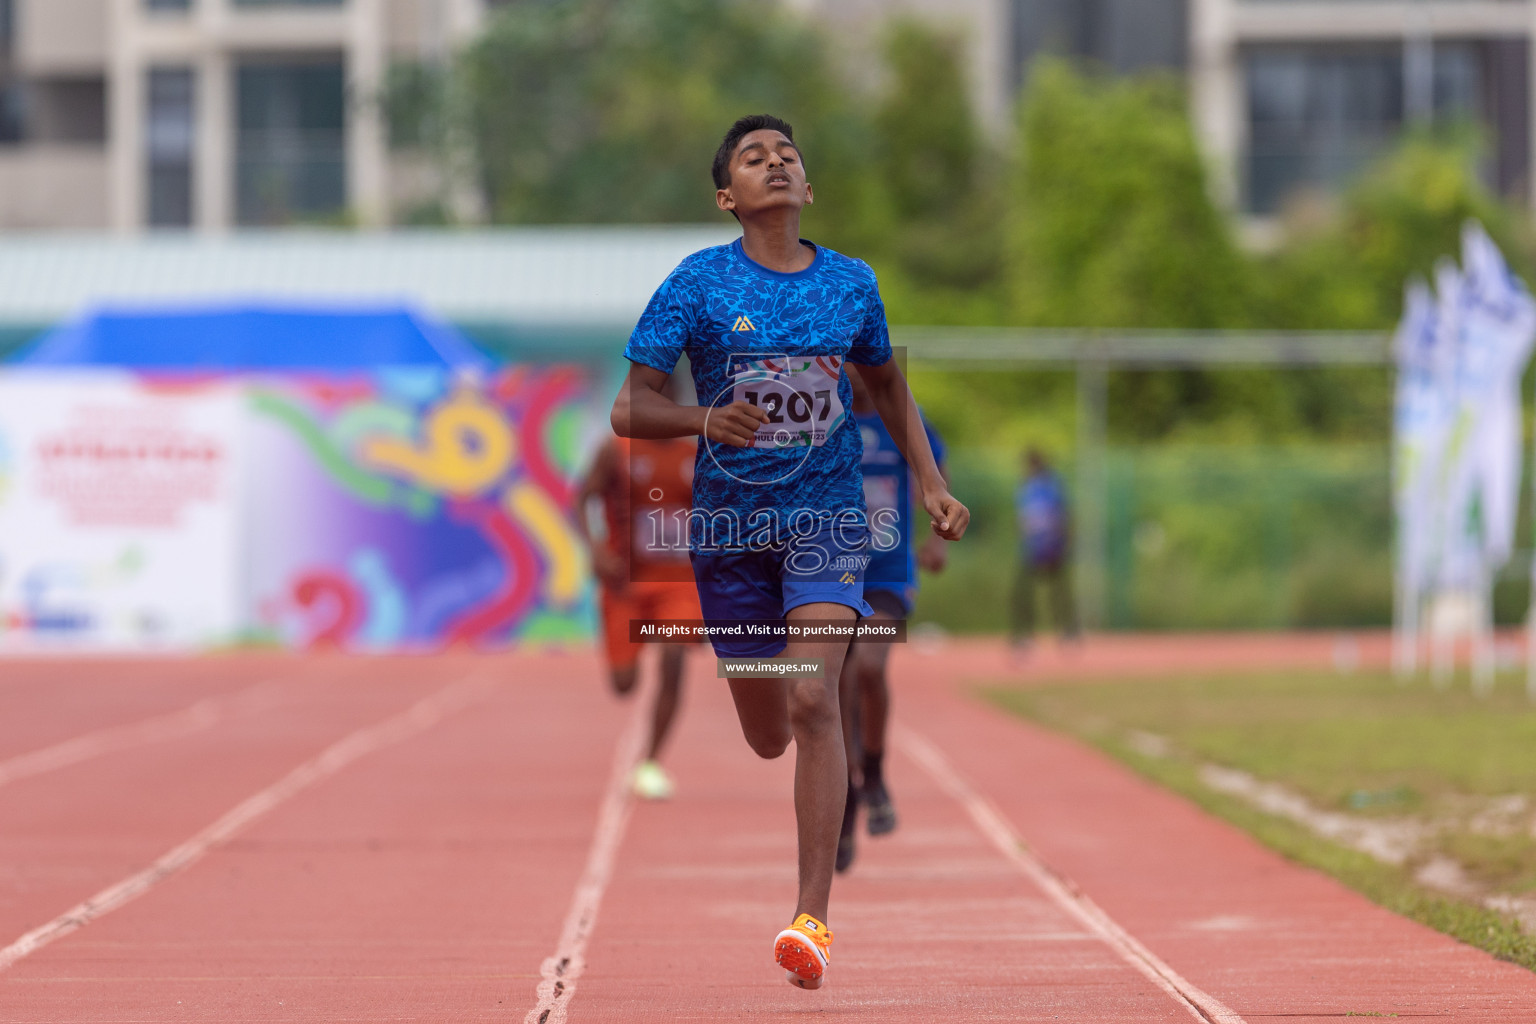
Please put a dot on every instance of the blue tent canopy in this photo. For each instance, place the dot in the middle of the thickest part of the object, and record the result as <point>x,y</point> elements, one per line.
<point>254,337</point>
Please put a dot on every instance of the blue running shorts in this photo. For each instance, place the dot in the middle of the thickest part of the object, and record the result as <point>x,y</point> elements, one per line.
<point>762,585</point>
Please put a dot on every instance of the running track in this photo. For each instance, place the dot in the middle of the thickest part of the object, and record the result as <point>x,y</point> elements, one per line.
<point>264,838</point>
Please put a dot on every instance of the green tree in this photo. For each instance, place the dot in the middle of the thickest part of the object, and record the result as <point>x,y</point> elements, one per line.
<point>1404,213</point>
<point>608,111</point>
<point>940,256</point>
<point>1111,225</point>
<point>1347,273</point>
<point>928,132</point>
<point>1111,222</point>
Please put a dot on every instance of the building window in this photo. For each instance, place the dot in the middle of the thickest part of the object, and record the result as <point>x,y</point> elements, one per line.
<point>67,110</point>
<point>290,142</point>
<point>1457,80</point>
<point>12,96</point>
<point>170,138</point>
<point>1318,115</point>
<point>1121,35</point>
<point>13,123</point>
<point>168,5</point>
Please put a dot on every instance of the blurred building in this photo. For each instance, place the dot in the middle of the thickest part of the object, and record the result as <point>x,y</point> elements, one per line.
<point>1294,94</point>
<point>1288,95</point>
<point>217,114</point>
<point>985,26</point>
<point>207,114</point>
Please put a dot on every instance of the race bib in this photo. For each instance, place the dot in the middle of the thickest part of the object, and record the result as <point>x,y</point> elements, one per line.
<point>799,394</point>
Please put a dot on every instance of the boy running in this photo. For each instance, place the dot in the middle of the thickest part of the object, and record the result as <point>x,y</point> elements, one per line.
<point>644,487</point>
<point>890,588</point>
<point>778,527</point>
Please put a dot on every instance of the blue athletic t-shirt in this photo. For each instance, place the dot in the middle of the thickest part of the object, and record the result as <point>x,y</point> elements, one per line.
<point>888,497</point>
<point>1041,506</point>
<point>778,341</point>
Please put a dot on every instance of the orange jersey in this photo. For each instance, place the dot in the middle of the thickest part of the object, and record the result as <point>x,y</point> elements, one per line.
<point>647,506</point>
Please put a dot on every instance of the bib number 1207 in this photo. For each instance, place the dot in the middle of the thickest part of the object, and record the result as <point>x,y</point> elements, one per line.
<point>798,394</point>
<point>798,407</point>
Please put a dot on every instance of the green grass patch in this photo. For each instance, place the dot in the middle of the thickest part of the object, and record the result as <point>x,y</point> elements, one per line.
<point>1361,743</point>
<point>1503,862</point>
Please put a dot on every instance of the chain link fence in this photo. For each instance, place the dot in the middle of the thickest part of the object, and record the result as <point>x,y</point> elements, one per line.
<point>1197,537</point>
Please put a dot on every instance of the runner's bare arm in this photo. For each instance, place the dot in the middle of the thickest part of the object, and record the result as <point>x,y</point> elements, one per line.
<point>932,557</point>
<point>641,410</point>
<point>593,484</point>
<point>596,483</point>
<point>898,411</point>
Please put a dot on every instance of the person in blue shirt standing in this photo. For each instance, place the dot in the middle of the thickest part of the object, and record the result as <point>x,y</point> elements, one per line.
<point>778,528</point>
<point>890,588</point>
<point>1045,541</point>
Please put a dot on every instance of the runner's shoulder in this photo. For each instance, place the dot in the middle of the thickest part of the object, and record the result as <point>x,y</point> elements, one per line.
<point>849,266</point>
<point>717,261</point>
<point>695,272</point>
<point>711,261</point>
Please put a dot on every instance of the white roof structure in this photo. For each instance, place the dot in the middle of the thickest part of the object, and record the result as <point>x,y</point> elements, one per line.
<point>556,277</point>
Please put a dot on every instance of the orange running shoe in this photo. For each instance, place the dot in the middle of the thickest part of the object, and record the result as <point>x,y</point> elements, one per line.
<point>802,950</point>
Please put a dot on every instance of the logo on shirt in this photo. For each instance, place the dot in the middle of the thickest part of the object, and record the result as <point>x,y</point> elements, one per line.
<point>743,324</point>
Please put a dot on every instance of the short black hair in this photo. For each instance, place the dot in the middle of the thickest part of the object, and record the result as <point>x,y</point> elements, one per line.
<point>745,126</point>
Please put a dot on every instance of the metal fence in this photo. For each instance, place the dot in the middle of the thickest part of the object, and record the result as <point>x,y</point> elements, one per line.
<point>1126,577</point>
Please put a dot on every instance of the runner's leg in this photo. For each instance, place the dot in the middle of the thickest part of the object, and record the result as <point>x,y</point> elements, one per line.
<point>664,712</point>
<point>821,767</point>
<point>874,691</point>
<point>623,678</point>
<point>1023,604</point>
<point>762,708</point>
<point>848,703</point>
<point>874,714</point>
<point>618,607</point>
<point>1063,607</point>
<point>1015,606</point>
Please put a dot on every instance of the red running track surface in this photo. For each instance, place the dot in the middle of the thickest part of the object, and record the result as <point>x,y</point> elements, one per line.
<point>440,869</point>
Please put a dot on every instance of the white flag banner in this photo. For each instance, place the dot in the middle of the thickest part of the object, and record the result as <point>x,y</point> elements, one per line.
<point>1499,326</point>
<point>1456,447</point>
<point>1455,544</point>
<point>1415,413</point>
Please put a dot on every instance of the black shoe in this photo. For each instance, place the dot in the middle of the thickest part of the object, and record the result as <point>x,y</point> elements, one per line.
<point>845,839</point>
<point>882,816</point>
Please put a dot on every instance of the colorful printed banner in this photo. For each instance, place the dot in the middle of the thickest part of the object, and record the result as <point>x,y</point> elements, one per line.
<point>398,510</point>
<point>409,510</point>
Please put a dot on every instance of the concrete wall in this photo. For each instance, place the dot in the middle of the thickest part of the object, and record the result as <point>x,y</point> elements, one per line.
<point>53,187</point>
<point>61,36</point>
<point>429,29</point>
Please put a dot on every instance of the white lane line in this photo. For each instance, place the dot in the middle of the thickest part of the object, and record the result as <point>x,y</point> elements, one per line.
<point>1062,891</point>
<point>190,719</point>
<point>417,718</point>
<point>558,974</point>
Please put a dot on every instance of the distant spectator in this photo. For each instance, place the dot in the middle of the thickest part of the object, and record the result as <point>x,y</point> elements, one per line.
<point>1045,548</point>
